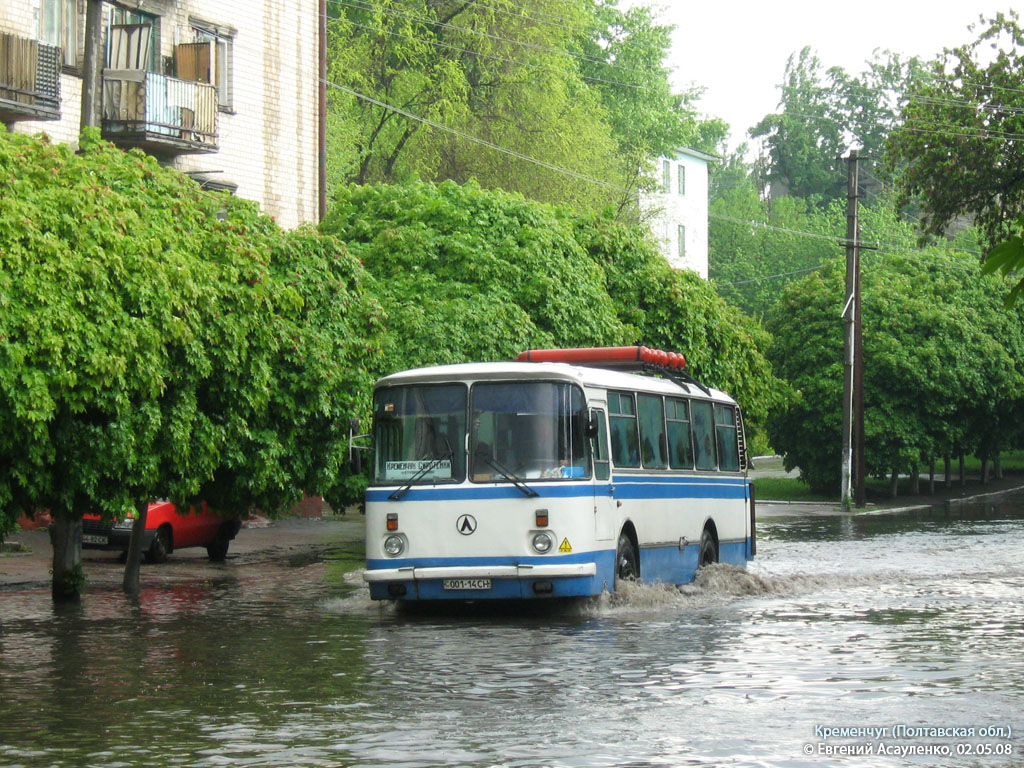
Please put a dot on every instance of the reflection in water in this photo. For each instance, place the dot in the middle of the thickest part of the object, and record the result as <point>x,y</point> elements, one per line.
<point>857,621</point>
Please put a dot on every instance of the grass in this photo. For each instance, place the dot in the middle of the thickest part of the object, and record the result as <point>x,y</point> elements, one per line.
<point>794,489</point>
<point>786,489</point>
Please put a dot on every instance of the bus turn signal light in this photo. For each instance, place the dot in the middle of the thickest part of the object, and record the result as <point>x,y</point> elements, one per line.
<point>392,523</point>
<point>542,518</point>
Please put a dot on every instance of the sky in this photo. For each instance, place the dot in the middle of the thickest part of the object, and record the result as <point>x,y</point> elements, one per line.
<point>737,49</point>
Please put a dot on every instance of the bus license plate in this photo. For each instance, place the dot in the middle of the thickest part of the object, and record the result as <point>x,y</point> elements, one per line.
<point>93,539</point>
<point>467,584</point>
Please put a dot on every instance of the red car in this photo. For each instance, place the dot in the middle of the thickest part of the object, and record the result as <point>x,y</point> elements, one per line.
<point>166,530</point>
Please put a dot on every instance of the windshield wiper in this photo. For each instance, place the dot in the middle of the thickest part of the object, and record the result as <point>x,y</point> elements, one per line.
<point>516,481</point>
<point>449,454</point>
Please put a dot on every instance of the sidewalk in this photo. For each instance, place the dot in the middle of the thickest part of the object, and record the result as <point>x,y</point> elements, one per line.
<point>260,544</point>
<point>973,491</point>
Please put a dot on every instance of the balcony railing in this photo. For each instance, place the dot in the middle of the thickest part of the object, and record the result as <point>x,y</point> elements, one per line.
<point>29,79</point>
<point>158,113</point>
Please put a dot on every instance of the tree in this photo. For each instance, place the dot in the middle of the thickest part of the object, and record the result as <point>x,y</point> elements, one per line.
<point>496,73</point>
<point>152,350</point>
<point>944,365</point>
<point>621,56</point>
<point>458,91</point>
<point>805,141</point>
<point>825,113</point>
<point>469,274</point>
<point>959,145</point>
<point>757,247</point>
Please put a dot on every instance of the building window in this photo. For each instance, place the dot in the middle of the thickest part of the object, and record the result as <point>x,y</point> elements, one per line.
<point>666,175</point>
<point>682,241</point>
<point>58,25</point>
<point>208,59</point>
<point>133,41</point>
<point>681,171</point>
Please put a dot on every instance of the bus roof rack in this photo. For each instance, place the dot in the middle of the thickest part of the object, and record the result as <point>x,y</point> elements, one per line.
<point>639,359</point>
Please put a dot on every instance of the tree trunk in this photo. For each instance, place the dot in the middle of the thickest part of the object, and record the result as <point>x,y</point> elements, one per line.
<point>997,462</point>
<point>68,579</point>
<point>131,567</point>
<point>984,470</point>
<point>915,481</point>
<point>931,476</point>
<point>894,484</point>
<point>949,470</point>
<point>963,478</point>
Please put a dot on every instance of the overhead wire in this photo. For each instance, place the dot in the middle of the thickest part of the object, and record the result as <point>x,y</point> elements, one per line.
<point>527,158</point>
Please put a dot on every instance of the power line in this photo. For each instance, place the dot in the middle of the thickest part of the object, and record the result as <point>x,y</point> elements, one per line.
<point>772,277</point>
<point>477,140</point>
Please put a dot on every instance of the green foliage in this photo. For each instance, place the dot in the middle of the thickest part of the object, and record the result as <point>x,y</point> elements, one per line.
<point>1007,258</point>
<point>150,349</point>
<point>822,114</point>
<point>959,146</point>
<point>621,55</point>
<point>498,72</point>
<point>755,248</point>
<point>577,85</point>
<point>944,365</point>
<point>466,274</point>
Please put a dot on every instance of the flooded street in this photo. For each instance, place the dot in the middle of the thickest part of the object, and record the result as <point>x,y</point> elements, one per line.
<point>903,626</point>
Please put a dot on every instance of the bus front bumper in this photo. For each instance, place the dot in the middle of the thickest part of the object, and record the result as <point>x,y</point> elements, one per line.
<point>411,573</point>
<point>487,581</point>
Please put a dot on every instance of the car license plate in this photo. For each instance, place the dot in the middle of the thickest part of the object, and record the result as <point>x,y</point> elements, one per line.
<point>93,539</point>
<point>467,584</point>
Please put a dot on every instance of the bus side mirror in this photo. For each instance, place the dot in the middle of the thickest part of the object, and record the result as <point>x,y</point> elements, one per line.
<point>590,426</point>
<point>355,456</point>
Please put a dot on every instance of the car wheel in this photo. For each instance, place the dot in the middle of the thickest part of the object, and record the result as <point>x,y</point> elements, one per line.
<point>161,546</point>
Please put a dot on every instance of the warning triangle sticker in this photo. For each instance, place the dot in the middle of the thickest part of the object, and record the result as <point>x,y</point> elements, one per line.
<point>565,547</point>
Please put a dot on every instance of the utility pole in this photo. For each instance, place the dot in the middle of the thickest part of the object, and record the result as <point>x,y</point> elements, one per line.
<point>92,69</point>
<point>851,313</point>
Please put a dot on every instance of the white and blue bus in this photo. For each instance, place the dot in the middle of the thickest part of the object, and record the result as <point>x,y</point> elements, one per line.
<point>558,475</point>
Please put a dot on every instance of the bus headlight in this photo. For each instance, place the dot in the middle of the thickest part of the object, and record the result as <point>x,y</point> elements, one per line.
<point>543,542</point>
<point>394,545</point>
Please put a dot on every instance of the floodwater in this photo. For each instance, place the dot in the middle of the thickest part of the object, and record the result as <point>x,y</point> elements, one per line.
<point>907,628</point>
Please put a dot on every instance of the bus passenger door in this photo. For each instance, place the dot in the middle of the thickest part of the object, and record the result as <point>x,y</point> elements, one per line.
<point>605,517</point>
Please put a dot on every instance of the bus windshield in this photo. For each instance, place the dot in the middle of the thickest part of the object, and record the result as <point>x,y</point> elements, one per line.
<point>419,434</point>
<point>531,430</point>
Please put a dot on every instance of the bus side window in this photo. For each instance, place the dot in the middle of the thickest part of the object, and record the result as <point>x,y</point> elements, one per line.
<point>680,443</point>
<point>651,413</point>
<point>725,431</point>
<point>704,434</point>
<point>602,467</point>
<point>625,443</point>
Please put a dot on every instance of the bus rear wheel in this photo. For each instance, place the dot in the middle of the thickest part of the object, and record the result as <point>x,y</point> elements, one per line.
<point>708,549</point>
<point>626,566</point>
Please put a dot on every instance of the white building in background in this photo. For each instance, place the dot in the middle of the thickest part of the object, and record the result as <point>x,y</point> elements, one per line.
<point>224,90</point>
<point>678,209</point>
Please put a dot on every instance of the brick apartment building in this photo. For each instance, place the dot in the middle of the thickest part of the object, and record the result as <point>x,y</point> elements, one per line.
<point>224,90</point>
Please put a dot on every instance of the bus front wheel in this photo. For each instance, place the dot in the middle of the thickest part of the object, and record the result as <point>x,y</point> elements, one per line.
<point>626,566</point>
<point>708,549</point>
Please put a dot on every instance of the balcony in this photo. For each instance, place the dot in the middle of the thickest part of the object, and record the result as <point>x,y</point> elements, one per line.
<point>159,114</point>
<point>29,79</point>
